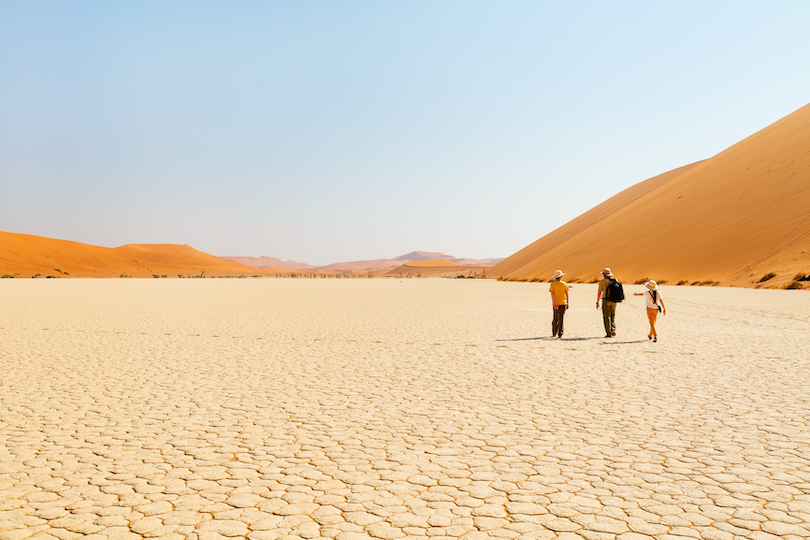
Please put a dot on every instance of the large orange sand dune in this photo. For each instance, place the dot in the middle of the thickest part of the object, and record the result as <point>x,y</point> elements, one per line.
<point>732,218</point>
<point>26,255</point>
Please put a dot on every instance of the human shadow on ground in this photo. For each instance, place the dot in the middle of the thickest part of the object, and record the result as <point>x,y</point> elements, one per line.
<point>605,341</point>
<point>549,338</point>
<point>544,338</point>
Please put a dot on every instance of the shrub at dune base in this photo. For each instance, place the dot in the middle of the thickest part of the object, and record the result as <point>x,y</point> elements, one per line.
<point>766,277</point>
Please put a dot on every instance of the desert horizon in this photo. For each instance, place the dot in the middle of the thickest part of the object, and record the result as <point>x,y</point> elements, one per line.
<point>26,256</point>
<point>335,271</point>
<point>23,255</point>
<point>737,219</point>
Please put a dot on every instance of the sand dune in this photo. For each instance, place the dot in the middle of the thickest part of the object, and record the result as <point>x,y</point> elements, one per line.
<point>259,262</point>
<point>434,268</point>
<point>27,255</point>
<point>732,218</point>
<point>431,264</point>
<point>372,266</point>
<point>274,270</point>
<point>364,266</point>
<point>478,262</point>
<point>381,265</point>
<point>415,256</point>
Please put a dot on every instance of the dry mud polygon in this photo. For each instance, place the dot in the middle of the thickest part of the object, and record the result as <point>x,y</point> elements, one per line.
<point>389,408</point>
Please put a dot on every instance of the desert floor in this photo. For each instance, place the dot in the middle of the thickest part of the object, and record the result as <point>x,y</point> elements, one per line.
<point>388,408</point>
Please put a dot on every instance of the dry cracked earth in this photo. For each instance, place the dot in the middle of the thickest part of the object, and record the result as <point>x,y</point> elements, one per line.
<point>356,409</point>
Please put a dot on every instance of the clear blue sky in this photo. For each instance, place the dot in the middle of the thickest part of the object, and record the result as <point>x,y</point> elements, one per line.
<point>334,131</point>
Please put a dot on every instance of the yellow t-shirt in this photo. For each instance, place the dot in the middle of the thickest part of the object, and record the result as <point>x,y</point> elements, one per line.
<point>558,289</point>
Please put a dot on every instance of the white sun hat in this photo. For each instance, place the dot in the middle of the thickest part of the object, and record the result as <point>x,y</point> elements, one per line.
<point>652,285</point>
<point>558,274</point>
<point>607,272</point>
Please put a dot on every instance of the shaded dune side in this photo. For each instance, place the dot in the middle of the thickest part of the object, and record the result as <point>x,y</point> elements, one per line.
<point>740,214</point>
<point>28,255</point>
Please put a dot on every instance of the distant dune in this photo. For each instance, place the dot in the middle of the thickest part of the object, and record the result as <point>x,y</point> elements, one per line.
<point>731,219</point>
<point>272,262</point>
<point>414,256</point>
<point>478,262</point>
<point>431,264</point>
<point>372,266</point>
<point>359,266</point>
<point>425,268</point>
<point>27,255</point>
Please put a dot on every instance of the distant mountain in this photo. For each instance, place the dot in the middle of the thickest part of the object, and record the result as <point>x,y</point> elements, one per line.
<point>258,262</point>
<point>414,256</point>
<point>478,262</point>
<point>422,256</point>
<point>362,266</point>
<point>734,219</point>
<point>435,268</point>
<point>371,265</point>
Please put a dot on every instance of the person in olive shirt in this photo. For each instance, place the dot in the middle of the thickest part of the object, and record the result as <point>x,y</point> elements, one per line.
<point>608,307</point>
<point>559,303</point>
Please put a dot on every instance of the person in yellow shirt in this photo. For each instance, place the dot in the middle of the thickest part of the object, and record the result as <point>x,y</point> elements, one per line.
<point>559,302</point>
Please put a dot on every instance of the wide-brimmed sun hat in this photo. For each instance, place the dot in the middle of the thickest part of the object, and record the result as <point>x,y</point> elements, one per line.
<point>652,285</point>
<point>558,274</point>
<point>607,272</point>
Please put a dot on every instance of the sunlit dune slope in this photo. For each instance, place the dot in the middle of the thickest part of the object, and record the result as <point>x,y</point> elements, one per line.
<point>26,255</point>
<point>732,218</point>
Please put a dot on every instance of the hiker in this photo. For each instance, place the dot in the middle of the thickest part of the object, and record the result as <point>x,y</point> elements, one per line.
<point>611,293</point>
<point>655,305</point>
<point>559,303</point>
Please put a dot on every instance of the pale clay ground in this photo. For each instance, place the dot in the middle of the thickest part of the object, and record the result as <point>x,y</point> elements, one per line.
<point>387,409</point>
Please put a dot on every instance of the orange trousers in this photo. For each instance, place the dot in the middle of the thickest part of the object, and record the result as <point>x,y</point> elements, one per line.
<point>652,315</point>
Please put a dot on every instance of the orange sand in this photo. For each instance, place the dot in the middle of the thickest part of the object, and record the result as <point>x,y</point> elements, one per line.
<point>26,255</point>
<point>732,218</point>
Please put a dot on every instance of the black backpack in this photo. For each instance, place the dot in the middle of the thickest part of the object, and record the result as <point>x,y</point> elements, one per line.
<point>614,291</point>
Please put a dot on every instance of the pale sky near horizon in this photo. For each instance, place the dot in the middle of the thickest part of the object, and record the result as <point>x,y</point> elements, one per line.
<point>337,131</point>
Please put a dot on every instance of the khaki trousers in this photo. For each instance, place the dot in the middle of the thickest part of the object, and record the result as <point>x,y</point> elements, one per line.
<point>609,317</point>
